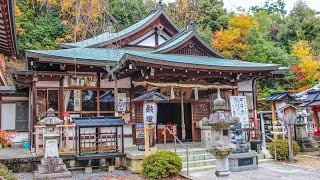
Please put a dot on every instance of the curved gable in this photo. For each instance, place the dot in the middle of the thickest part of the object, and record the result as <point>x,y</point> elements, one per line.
<point>188,42</point>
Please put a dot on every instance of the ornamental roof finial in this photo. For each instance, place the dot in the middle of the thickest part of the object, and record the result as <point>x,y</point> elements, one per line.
<point>191,26</point>
<point>159,5</point>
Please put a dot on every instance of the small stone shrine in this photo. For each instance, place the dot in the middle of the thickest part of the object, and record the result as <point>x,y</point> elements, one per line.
<point>51,166</point>
<point>221,146</point>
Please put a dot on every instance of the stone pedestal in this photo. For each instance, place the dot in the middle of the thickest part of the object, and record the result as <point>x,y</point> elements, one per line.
<point>51,166</point>
<point>243,161</point>
<point>223,166</point>
<point>206,135</point>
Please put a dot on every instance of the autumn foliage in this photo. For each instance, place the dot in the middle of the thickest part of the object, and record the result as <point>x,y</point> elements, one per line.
<point>231,41</point>
<point>6,137</point>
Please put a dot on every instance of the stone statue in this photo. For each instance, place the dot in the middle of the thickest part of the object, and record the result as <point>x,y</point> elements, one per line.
<point>237,139</point>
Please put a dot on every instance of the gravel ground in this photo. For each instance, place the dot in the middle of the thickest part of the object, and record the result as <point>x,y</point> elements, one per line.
<point>99,175</point>
<point>309,159</point>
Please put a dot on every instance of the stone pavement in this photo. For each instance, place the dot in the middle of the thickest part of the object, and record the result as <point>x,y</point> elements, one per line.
<point>267,171</point>
<point>12,153</point>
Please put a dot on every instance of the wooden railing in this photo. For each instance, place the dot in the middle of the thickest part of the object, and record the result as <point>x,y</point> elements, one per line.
<point>66,142</point>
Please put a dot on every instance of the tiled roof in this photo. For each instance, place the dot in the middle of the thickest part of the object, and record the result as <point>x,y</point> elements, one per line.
<point>281,96</point>
<point>114,55</point>
<point>113,36</point>
<point>8,42</point>
<point>174,40</point>
<point>151,96</point>
<point>313,98</point>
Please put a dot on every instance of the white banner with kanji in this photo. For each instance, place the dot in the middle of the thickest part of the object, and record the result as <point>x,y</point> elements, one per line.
<point>150,110</point>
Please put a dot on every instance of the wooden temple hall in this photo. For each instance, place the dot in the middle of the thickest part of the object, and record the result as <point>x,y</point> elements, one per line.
<point>100,76</point>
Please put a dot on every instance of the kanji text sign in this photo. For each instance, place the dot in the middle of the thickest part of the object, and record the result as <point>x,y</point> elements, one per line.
<point>150,110</point>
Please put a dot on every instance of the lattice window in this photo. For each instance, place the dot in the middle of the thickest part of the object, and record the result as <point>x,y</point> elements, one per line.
<point>191,49</point>
<point>138,113</point>
<point>199,111</point>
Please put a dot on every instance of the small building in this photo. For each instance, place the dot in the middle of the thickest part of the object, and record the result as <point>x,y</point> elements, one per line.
<point>312,101</point>
<point>92,78</point>
<point>14,104</point>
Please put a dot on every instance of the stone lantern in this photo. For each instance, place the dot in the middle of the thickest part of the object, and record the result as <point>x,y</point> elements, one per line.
<point>221,146</point>
<point>51,165</point>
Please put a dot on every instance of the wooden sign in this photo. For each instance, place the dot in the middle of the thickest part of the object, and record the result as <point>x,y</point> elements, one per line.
<point>77,100</point>
<point>239,109</point>
<point>150,110</point>
<point>122,102</point>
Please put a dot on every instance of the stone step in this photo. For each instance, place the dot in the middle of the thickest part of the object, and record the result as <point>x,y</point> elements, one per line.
<point>265,160</point>
<point>199,169</point>
<point>196,157</point>
<point>192,151</point>
<point>199,163</point>
<point>260,156</point>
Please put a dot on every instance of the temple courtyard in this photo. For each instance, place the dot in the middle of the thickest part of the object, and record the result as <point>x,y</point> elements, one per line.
<point>266,171</point>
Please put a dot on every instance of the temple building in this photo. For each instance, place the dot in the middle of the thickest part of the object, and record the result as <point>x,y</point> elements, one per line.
<point>100,76</point>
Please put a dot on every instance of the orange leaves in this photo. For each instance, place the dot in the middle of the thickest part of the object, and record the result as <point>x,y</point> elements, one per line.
<point>231,42</point>
<point>6,137</point>
<point>243,22</point>
<point>308,69</point>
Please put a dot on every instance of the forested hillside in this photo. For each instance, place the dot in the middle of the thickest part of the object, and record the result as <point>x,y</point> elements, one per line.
<point>266,34</point>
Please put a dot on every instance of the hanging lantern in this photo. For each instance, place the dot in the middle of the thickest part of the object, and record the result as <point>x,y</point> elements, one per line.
<point>172,93</point>
<point>196,93</point>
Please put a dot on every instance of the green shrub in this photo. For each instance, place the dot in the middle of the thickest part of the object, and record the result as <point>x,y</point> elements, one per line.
<point>5,173</point>
<point>161,165</point>
<point>282,147</point>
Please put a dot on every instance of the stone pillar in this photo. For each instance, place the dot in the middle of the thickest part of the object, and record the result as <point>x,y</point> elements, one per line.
<point>222,166</point>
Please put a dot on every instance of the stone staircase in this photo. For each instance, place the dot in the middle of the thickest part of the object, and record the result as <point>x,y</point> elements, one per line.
<point>200,160</point>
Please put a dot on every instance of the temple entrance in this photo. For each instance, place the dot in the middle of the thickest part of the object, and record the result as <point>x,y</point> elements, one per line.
<point>170,114</point>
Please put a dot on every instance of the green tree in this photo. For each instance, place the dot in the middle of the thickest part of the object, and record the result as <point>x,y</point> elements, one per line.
<point>213,15</point>
<point>38,30</point>
<point>274,6</point>
<point>128,12</point>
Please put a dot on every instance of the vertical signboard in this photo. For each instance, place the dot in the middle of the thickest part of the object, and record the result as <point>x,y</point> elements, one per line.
<point>239,109</point>
<point>122,102</point>
<point>77,100</point>
<point>150,110</point>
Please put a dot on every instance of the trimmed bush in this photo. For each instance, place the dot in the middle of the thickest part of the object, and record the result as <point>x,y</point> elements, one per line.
<point>161,165</point>
<point>283,148</point>
<point>5,173</point>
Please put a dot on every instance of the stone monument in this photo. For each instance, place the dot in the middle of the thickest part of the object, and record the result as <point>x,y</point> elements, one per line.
<point>242,158</point>
<point>51,166</point>
<point>220,145</point>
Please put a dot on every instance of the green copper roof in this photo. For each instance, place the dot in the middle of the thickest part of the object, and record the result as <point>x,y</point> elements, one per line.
<point>107,36</point>
<point>115,55</point>
<point>174,40</point>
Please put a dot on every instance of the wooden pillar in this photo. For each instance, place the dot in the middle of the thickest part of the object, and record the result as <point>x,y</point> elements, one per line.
<point>115,78</point>
<point>274,116</point>
<point>235,91</point>
<point>98,94</point>
<point>34,104</point>
<point>61,98</point>
<point>0,112</point>
<point>146,140</point>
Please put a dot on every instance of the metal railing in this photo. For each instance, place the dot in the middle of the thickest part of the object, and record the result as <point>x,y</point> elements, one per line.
<point>274,144</point>
<point>175,139</point>
<point>264,134</point>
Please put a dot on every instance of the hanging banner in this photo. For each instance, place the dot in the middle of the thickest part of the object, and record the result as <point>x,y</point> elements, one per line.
<point>150,110</point>
<point>77,100</point>
<point>122,102</point>
<point>239,109</point>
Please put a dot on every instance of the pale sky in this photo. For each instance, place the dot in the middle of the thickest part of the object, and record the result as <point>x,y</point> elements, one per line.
<point>231,5</point>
